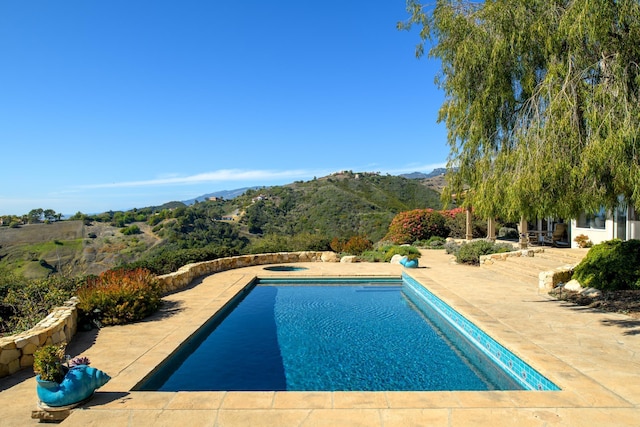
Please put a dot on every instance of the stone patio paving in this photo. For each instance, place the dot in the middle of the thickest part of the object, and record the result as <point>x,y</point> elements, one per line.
<point>592,356</point>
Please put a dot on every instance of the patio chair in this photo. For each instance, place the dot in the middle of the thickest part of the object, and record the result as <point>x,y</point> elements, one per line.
<point>559,233</point>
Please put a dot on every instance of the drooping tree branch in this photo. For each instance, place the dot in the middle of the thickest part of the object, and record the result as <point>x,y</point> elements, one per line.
<point>542,101</point>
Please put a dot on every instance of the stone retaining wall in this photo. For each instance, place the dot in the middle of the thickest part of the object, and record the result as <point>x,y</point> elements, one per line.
<point>180,279</point>
<point>16,351</point>
<point>491,258</point>
<point>547,280</point>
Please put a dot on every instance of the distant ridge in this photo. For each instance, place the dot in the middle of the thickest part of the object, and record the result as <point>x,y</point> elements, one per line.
<point>224,194</point>
<point>420,175</point>
<point>232,194</point>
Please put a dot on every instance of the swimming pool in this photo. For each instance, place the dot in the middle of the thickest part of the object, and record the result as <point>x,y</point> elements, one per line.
<point>330,334</point>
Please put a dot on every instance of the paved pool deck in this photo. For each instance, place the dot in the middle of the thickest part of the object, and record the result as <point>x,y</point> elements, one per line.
<point>593,357</point>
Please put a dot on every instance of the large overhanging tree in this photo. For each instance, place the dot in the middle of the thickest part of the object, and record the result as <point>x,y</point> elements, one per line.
<point>542,101</point>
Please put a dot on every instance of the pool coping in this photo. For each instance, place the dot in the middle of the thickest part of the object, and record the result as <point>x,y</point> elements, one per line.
<point>583,395</point>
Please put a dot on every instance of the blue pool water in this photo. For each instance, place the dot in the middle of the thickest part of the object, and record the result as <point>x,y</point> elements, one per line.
<point>326,337</point>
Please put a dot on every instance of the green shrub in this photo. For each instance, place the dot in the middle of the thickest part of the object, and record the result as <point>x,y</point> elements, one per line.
<point>24,302</point>
<point>508,233</point>
<point>372,256</point>
<point>434,242</point>
<point>451,247</point>
<point>166,260</point>
<point>469,253</point>
<point>119,296</point>
<point>611,265</point>
<point>309,242</point>
<point>408,251</point>
<point>155,220</point>
<point>130,230</point>
<point>270,243</point>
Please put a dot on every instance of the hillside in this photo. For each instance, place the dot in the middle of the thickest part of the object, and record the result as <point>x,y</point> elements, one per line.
<point>69,247</point>
<point>340,205</point>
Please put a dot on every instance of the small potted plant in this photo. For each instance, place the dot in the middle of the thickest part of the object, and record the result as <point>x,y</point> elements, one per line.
<point>58,385</point>
<point>583,241</point>
<point>411,261</point>
<point>47,364</point>
<point>410,258</point>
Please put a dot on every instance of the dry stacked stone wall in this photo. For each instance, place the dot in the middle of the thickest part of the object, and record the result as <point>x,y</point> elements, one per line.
<point>16,351</point>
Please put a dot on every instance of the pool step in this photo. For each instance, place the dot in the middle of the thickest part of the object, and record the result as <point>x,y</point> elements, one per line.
<point>566,256</point>
<point>527,269</point>
<point>515,270</point>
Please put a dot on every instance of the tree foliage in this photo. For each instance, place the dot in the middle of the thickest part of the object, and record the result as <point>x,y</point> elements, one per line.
<point>541,101</point>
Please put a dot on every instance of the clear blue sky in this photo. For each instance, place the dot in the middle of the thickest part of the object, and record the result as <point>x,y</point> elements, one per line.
<point>111,105</point>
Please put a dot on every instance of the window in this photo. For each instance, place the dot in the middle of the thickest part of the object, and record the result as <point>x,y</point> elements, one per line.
<point>592,220</point>
<point>583,221</point>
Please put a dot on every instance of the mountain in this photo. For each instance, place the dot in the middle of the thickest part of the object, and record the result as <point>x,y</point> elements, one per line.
<point>419,175</point>
<point>232,194</point>
<point>224,194</point>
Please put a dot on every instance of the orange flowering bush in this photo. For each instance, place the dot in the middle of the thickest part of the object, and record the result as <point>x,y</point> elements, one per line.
<point>418,224</point>
<point>356,245</point>
<point>337,245</point>
<point>119,296</point>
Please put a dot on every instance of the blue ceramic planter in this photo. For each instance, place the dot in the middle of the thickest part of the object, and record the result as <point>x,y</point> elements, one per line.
<point>411,263</point>
<point>78,384</point>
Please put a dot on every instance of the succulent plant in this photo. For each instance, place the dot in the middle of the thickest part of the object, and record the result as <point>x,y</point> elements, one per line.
<point>79,360</point>
<point>47,362</point>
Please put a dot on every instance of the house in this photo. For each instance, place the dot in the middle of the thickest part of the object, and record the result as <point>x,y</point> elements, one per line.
<point>622,223</point>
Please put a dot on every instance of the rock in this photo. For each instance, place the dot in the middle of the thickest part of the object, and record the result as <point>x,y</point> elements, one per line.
<point>349,258</point>
<point>591,293</point>
<point>573,285</point>
<point>329,257</point>
<point>396,259</point>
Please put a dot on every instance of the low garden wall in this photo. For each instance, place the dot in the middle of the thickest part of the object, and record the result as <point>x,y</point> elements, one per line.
<point>491,258</point>
<point>16,351</point>
<point>180,279</point>
<point>548,280</point>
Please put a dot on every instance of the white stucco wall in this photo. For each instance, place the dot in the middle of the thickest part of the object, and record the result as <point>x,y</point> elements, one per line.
<point>595,235</point>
